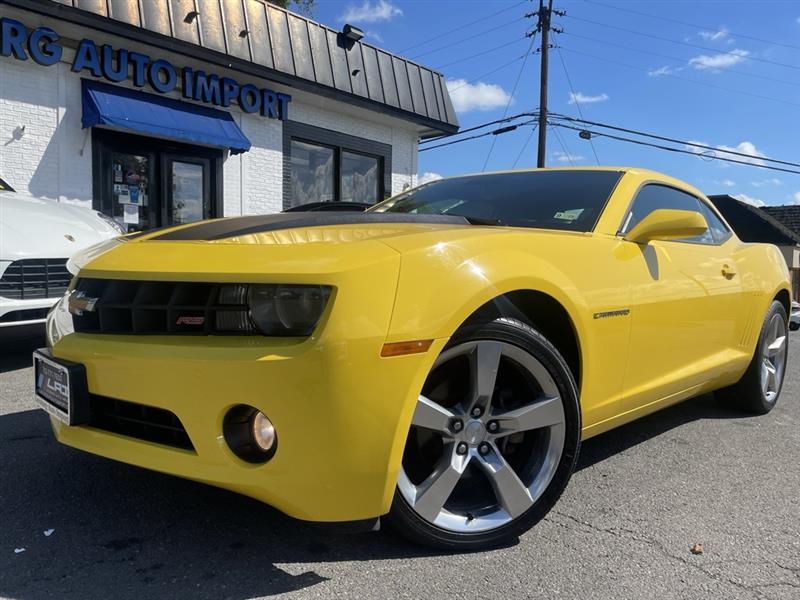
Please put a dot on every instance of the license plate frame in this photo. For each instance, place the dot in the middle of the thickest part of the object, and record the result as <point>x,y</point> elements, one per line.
<point>60,388</point>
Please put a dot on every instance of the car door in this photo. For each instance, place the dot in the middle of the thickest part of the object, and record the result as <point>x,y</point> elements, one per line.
<point>684,295</point>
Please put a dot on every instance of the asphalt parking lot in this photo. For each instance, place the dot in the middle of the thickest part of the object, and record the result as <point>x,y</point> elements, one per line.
<point>642,496</point>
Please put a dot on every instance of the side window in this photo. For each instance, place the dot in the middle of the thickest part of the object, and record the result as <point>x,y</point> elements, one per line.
<point>653,197</point>
<point>719,231</point>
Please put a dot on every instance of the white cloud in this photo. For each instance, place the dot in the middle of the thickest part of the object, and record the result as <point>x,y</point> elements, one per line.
<point>476,96</point>
<point>716,62</point>
<point>766,182</point>
<point>796,195</point>
<point>714,36</point>
<point>750,200</point>
<point>371,12</point>
<point>372,35</point>
<point>427,176</point>
<point>745,148</point>
<point>567,157</point>
<point>727,183</point>
<point>754,154</point>
<point>580,98</point>
<point>665,70</point>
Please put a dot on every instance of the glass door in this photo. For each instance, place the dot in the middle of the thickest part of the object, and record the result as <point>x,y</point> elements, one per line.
<point>188,188</point>
<point>131,181</point>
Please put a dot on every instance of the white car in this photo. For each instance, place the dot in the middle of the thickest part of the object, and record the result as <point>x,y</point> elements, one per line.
<point>37,237</point>
<point>794,318</point>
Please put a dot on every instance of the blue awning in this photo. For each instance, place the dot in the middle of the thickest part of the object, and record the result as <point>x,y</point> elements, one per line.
<point>115,106</point>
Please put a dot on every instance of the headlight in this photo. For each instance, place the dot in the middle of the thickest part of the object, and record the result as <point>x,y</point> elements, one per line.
<point>111,222</point>
<point>287,310</point>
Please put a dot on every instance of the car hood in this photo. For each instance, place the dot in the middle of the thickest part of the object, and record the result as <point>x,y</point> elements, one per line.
<point>39,228</point>
<point>284,244</point>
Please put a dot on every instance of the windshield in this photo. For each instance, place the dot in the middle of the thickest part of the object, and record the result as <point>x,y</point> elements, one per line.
<point>566,199</point>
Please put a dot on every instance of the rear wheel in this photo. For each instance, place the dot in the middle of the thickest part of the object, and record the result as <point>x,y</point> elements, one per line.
<point>493,439</point>
<point>759,388</point>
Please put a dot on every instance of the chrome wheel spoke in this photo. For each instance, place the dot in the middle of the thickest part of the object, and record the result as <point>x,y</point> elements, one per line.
<point>509,490</point>
<point>436,489</point>
<point>484,362</point>
<point>546,413</point>
<point>776,346</point>
<point>430,415</point>
<point>772,377</point>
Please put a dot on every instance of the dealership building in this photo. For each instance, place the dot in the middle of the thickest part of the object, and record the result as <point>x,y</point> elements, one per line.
<point>160,112</point>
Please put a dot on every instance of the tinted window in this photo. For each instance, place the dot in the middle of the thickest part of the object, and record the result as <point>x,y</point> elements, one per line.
<point>719,231</point>
<point>653,197</point>
<point>570,200</point>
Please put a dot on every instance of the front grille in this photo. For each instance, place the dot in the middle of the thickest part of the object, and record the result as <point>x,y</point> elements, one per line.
<point>138,421</point>
<point>29,314</point>
<point>33,278</point>
<point>158,307</point>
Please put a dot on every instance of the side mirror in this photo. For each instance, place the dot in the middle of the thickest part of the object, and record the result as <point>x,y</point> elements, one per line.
<point>667,224</point>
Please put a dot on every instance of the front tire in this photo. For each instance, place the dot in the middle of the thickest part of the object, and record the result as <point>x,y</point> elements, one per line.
<point>759,388</point>
<point>493,440</point>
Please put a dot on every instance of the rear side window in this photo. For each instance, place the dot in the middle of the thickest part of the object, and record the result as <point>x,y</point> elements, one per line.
<point>653,197</point>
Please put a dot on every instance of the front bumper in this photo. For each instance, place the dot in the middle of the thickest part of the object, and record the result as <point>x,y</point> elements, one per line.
<point>340,410</point>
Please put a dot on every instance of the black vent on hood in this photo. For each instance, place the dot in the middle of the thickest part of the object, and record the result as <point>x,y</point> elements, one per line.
<point>236,226</point>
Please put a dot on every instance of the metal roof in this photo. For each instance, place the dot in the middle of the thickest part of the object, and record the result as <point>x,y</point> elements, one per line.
<point>284,46</point>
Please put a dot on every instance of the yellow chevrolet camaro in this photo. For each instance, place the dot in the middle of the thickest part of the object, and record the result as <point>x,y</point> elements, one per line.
<point>435,361</point>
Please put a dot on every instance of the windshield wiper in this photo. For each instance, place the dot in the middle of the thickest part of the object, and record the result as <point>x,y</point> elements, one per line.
<point>479,221</point>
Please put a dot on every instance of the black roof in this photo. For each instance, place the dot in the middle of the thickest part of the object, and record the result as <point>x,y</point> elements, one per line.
<point>788,215</point>
<point>752,224</point>
<point>267,41</point>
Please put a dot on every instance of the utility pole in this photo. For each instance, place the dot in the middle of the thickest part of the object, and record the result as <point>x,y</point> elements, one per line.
<point>543,27</point>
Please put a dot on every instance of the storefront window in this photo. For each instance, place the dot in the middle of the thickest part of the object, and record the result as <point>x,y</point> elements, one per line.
<point>130,191</point>
<point>312,173</point>
<point>359,177</point>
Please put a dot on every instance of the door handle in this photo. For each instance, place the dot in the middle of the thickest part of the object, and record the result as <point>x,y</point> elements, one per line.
<point>728,272</point>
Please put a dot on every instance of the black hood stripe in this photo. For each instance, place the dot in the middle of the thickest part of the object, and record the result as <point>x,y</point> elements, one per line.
<point>238,226</point>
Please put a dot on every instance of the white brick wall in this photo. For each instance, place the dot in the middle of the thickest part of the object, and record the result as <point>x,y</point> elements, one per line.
<point>53,158</point>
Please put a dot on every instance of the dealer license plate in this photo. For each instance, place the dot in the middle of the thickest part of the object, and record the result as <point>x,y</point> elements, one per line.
<point>61,388</point>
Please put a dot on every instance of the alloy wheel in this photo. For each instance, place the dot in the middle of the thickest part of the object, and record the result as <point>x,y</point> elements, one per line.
<point>774,358</point>
<point>486,437</point>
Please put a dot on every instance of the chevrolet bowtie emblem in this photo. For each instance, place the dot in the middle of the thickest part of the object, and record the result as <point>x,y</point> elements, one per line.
<point>79,302</point>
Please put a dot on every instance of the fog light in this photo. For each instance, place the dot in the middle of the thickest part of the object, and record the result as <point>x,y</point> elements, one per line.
<point>263,431</point>
<point>250,434</point>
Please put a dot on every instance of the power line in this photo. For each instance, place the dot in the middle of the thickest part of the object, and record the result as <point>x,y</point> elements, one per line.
<point>511,97</point>
<point>678,150</point>
<point>492,72</point>
<point>466,39</point>
<point>673,140</point>
<point>464,26</point>
<point>481,126</point>
<point>525,146</point>
<point>494,132</point>
<point>694,25</point>
<point>695,81</point>
<point>487,51</point>
<point>689,44</point>
<point>675,58</point>
<point>567,153</point>
<point>577,104</point>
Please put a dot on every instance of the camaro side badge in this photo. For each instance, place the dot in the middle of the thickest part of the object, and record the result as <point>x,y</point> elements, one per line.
<point>187,320</point>
<point>622,312</point>
<point>79,302</point>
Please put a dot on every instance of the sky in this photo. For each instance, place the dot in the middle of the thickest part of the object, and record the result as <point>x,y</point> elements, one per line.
<point>727,76</point>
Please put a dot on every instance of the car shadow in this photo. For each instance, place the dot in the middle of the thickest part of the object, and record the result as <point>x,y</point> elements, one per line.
<point>144,534</point>
<point>606,445</point>
<point>17,344</point>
